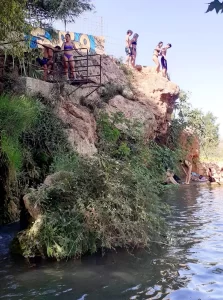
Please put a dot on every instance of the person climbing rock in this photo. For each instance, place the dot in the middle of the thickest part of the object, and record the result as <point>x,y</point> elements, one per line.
<point>156,54</point>
<point>187,168</point>
<point>127,46</point>
<point>164,60</point>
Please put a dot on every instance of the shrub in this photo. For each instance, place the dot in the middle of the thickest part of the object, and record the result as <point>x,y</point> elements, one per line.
<point>17,114</point>
<point>106,202</point>
<point>101,204</point>
<point>110,90</point>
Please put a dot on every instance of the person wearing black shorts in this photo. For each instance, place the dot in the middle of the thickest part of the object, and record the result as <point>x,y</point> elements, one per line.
<point>164,60</point>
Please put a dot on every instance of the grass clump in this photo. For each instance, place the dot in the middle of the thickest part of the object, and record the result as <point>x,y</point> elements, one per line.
<point>30,136</point>
<point>107,202</point>
<point>110,90</point>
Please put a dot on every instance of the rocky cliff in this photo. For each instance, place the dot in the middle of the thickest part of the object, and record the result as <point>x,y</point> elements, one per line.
<point>141,95</point>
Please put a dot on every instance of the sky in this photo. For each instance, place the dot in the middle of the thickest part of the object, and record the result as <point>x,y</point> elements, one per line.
<point>194,61</point>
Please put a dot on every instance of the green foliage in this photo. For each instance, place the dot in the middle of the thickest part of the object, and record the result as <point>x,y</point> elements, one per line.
<point>43,141</point>
<point>12,19</point>
<point>101,204</point>
<point>17,114</point>
<point>17,17</point>
<point>215,5</point>
<point>46,12</point>
<point>110,90</point>
<point>127,70</point>
<point>201,125</point>
<point>109,201</point>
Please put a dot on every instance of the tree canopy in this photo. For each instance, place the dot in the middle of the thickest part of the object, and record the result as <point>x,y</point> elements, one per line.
<point>203,125</point>
<point>12,18</point>
<point>215,5</point>
<point>46,11</point>
<point>17,15</point>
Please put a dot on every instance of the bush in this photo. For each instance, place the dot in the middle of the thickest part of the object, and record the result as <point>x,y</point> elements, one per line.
<point>17,114</point>
<point>110,90</point>
<point>31,136</point>
<point>101,204</point>
<point>106,202</point>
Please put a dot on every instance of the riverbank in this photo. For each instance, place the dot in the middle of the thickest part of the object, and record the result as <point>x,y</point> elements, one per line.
<point>189,266</point>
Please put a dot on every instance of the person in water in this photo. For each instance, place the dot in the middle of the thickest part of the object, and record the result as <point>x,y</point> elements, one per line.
<point>133,47</point>
<point>164,59</point>
<point>187,168</point>
<point>127,46</point>
<point>156,54</point>
<point>68,47</point>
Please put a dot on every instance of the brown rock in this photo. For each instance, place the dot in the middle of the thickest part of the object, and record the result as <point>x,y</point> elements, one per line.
<point>134,110</point>
<point>82,127</point>
<point>191,145</point>
<point>157,93</point>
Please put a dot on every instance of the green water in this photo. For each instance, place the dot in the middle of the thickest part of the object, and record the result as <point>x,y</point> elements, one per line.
<point>191,267</point>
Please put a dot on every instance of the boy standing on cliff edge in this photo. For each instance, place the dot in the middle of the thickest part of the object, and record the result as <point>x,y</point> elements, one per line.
<point>127,46</point>
<point>164,60</point>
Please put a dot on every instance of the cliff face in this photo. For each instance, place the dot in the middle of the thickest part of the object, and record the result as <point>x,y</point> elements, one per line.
<point>144,96</point>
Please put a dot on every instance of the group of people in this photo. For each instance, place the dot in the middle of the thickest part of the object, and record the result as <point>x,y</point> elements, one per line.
<point>159,52</point>
<point>212,175</point>
<point>47,61</point>
<point>131,48</point>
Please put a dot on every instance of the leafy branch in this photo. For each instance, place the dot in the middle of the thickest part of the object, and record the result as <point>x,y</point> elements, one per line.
<point>215,5</point>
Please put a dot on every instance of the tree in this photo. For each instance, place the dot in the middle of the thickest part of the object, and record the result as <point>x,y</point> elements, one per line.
<point>45,12</point>
<point>12,19</point>
<point>215,5</point>
<point>16,15</point>
<point>203,125</point>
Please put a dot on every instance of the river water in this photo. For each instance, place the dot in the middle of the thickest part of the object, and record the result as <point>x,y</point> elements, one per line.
<point>191,267</point>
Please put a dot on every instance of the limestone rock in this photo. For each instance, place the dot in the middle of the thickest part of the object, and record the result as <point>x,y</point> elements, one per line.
<point>134,110</point>
<point>157,93</point>
<point>111,73</point>
<point>82,127</point>
<point>33,209</point>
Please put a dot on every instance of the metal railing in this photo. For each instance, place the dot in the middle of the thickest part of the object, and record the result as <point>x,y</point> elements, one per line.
<point>82,65</point>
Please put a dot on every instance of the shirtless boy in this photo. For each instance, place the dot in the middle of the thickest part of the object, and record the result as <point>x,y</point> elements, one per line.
<point>164,60</point>
<point>127,46</point>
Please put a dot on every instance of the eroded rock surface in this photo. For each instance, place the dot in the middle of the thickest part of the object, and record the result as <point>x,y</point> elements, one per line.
<point>81,127</point>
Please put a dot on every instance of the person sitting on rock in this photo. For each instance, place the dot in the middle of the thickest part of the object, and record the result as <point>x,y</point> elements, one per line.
<point>133,49</point>
<point>187,168</point>
<point>170,177</point>
<point>127,46</point>
<point>156,54</point>
<point>164,60</point>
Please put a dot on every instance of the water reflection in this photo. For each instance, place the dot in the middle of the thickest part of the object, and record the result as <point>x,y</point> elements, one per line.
<point>190,268</point>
